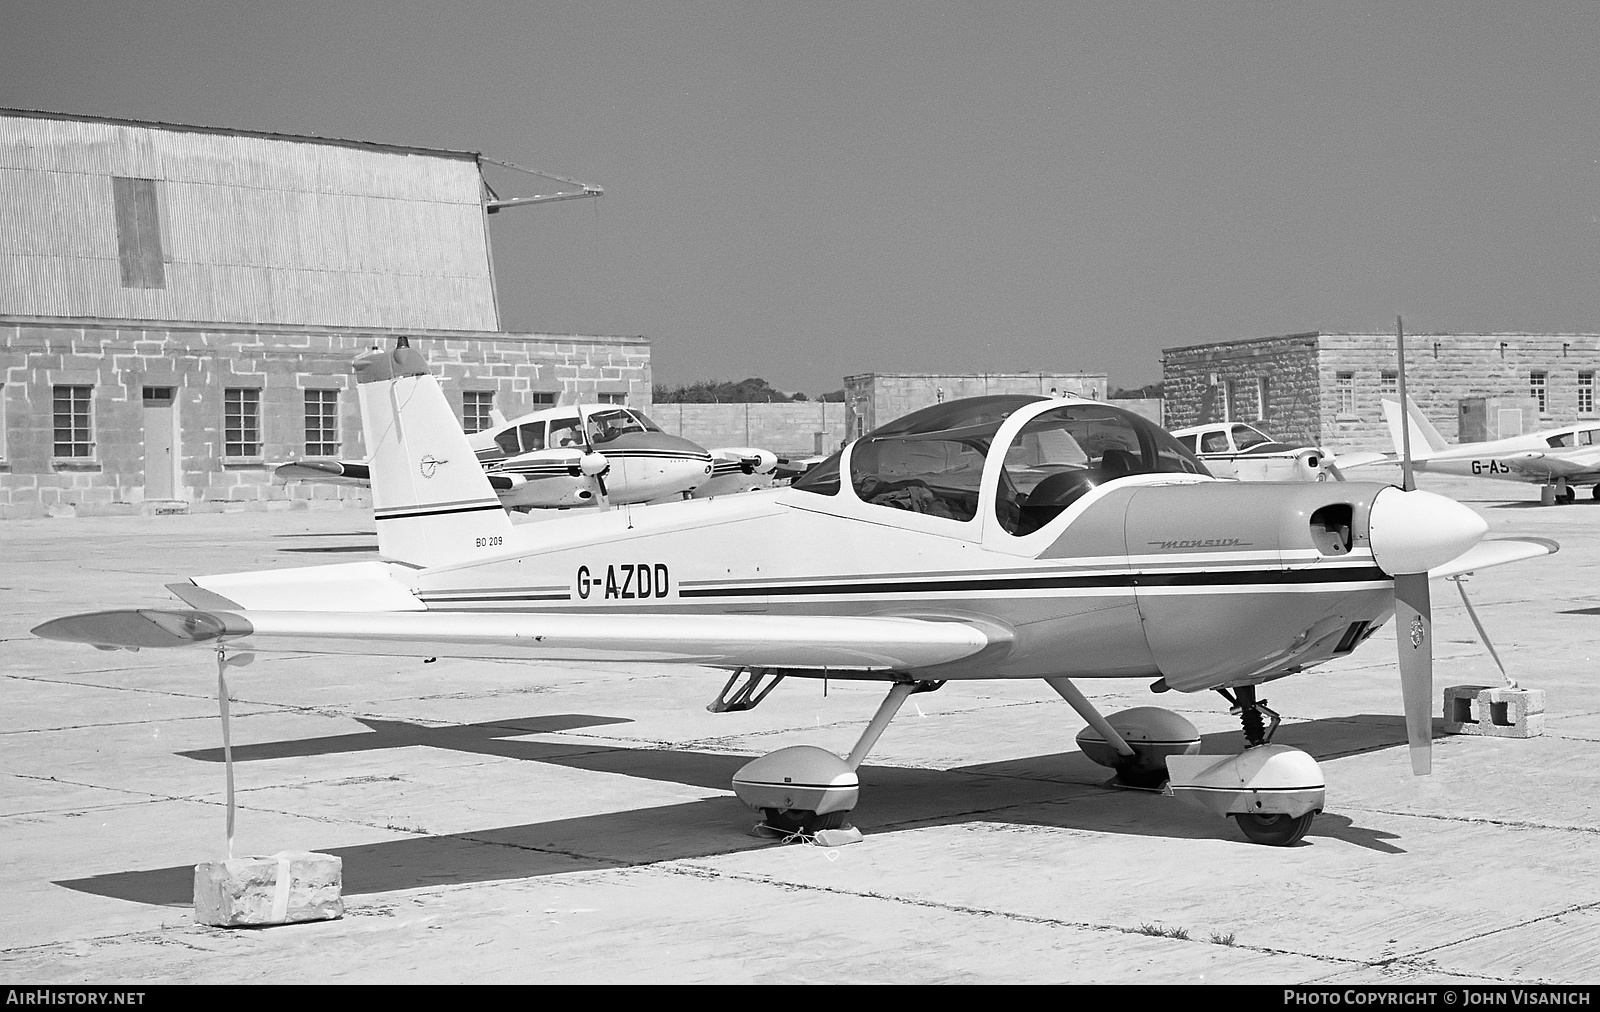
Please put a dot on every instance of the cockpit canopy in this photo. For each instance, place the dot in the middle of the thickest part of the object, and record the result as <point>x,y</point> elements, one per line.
<point>604,424</point>
<point>932,461</point>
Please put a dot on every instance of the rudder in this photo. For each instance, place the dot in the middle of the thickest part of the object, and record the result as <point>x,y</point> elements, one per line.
<point>430,497</point>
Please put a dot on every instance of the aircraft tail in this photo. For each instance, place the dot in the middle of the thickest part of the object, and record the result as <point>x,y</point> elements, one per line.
<point>1426,440</point>
<point>431,499</point>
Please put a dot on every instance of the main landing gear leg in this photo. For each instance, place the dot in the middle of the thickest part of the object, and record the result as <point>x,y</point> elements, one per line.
<point>1135,743</point>
<point>804,789</point>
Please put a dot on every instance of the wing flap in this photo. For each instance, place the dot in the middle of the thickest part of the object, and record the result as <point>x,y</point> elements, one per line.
<point>795,641</point>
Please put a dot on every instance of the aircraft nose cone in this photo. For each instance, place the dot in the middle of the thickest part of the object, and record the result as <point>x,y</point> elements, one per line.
<point>1412,532</point>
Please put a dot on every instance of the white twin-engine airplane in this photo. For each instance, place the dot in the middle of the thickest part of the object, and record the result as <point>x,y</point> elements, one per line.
<point>995,537</point>
<point>584,455</point>
<point>1555,458</point>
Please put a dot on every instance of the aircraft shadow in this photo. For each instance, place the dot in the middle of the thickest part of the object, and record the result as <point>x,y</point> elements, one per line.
<point>1063,790</point>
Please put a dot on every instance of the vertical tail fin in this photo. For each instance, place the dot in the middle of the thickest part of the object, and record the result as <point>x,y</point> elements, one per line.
<point>432,502</point>
<point>1426,440</point>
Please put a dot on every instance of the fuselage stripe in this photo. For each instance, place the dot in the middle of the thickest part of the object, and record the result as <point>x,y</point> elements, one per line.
<point>409,513</point>
<point>1268,577</point>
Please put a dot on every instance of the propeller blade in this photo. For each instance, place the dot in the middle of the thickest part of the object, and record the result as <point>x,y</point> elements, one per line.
<point>1413,614</point>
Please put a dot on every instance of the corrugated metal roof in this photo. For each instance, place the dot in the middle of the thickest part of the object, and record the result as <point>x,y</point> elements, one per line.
<point>254,229</point>
<point>229,131</point>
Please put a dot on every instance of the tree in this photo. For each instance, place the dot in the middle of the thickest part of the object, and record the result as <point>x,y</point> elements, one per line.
<point>745,391</point>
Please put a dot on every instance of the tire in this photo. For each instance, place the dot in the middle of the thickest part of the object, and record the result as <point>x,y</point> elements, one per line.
<point>797,821</point>
<point>1595,493</point>
<point>1571,496</point>
<point>1275,830</point>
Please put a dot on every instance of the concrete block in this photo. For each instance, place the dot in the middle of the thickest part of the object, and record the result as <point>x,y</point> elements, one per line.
<point>1494,711</point>
<point>286,888</point>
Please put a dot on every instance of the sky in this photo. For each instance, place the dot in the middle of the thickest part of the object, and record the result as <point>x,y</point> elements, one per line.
<point>803,191</point>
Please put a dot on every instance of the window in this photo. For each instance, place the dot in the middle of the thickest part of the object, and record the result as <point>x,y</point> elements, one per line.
<point>1263,398</point>
<point>613,398</point>
<point>477,410</point>
<point>2,423</point>
<point>1059,456</point>
<point>74,421</point>
<point>1345,393</point>
<point>523,438</point>
<point>542,399</point>
<point>1389,385</point>
<point>1537,389</point>
<point>1585,394</point>
<point>138,214</point>
<point>1214,442</point>
<point>322,423</point>
<point>1228,395</point>
<point>1244,437</point>
<point>241,422</point>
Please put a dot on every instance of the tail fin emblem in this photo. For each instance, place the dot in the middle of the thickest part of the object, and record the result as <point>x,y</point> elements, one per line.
<point>430,465</point>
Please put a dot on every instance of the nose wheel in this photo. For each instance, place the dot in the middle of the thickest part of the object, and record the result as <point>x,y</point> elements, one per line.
<point>1275,830</point>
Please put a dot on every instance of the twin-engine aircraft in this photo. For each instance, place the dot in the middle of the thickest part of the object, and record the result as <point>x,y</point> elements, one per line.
<point>583,455</point>
<point>1555,458</point>
<point>994,537</point>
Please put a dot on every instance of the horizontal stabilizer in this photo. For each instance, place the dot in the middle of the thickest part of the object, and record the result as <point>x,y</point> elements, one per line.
<point>1498,552</point>
<point>329,472</point>
<point>844,642</point>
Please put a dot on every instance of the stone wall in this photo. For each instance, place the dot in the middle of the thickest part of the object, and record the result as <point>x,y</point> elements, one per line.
<point>1196,385</point>
<point>874,399</point>
<point>120,359</point>
<point>800,428</point>
<point>1442,370</point>
<point>1327,388</point>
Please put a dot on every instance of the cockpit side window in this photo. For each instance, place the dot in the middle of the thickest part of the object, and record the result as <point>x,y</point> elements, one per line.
<point>951,437</point>
<point>920,473</point>
<point>564,432</point>
<point>642,419</point>
<point>1245,437</point>
<point>1065,452</point>
<point>1564,439</point>
<point>1214,442</point>
<point>604,426</point>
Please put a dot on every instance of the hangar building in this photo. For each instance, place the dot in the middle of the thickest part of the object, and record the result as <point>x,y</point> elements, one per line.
<point>179,306</point>
<point>1326,388</point>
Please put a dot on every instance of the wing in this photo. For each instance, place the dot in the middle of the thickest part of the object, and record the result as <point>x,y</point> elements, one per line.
<point>793,641</point>
<point>331,472</point>
<point>354,472</point>
<point>1498,552</point>
<point>1555,464</point>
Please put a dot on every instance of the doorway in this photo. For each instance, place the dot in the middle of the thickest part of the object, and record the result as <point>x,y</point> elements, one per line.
<point>160,443</point>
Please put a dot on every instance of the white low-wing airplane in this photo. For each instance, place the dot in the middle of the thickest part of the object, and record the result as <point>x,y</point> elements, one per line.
<point>1555,458</point>
<point>1237,450</point>
<point>583,455</point>
<point>994,537</point>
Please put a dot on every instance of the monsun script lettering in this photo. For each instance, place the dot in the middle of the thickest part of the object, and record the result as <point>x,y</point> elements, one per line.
<point>1197,543</point>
